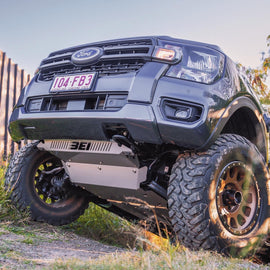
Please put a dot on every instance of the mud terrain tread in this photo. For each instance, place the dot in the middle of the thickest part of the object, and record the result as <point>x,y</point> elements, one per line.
<point>188,213</point>
<point>180,210</point>
<point>13,184</point>
<point>12,176</point>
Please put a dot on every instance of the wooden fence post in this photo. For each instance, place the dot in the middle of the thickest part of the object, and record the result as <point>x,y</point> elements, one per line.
<point>12,80</point>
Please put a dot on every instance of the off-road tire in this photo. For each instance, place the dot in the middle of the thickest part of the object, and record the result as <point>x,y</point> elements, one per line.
<point>195,206</point>
<point>20,182</point>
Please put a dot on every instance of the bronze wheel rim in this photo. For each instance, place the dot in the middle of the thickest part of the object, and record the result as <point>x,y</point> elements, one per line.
<point>238,199</point>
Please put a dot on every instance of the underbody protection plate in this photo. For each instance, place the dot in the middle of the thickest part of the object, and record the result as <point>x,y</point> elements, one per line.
<point>101,163</point>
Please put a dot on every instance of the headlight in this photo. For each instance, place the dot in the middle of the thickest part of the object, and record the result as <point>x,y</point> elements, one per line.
<point>198,64</point>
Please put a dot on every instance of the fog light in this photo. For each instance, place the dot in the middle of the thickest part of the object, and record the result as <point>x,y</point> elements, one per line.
<point>183,113</point>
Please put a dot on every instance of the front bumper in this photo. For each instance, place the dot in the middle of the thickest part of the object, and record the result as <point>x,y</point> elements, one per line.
<point>138,119</point>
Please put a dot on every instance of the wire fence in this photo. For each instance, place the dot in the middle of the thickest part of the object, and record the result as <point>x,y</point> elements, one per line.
<point>12,80</point>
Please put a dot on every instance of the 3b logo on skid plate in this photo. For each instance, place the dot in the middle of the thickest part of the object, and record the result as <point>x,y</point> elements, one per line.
<point>80,146</point>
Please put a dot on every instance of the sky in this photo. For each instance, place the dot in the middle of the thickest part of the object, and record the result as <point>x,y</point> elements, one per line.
<point>31,29</point>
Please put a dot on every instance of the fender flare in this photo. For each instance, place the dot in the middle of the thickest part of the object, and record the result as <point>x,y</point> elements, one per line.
<point>225,116</point>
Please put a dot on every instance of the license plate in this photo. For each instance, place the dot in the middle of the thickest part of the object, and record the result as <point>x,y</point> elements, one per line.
<point>73,82</point>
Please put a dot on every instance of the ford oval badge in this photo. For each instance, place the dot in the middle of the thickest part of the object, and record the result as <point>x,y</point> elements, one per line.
<point>86,55</point>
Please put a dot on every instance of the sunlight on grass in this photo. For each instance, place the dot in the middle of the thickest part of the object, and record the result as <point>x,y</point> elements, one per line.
<point>100,224</point>
<point>183,259</point>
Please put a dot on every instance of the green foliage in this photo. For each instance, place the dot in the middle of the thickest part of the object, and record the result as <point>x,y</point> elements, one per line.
<point>258,77</point>
<point>265,101</point>
<point>5,208</point>
<point>7,211</point>
<point>100,224</point>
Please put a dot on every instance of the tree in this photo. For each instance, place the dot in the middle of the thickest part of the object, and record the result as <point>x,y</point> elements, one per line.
<point>258,77</point>
<point>266,61</point>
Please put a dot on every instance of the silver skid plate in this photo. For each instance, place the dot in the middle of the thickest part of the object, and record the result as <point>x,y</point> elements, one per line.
<point>102,163</point>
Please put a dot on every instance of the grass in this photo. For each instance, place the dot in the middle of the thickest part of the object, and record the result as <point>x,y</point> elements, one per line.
<point>179,258</point>
<point>6,210</point>
<point>8,213</point>
<point>99,224</point>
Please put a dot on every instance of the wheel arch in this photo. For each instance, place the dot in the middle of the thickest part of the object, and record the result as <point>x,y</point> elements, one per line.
<point>249,124</point>
<point>242,117</point>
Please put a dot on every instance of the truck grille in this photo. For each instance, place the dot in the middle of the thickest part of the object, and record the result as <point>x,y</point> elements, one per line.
<point>119,57</point>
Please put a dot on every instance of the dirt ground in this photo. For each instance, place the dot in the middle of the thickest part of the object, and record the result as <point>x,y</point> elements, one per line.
<point>37,246</point>
<point>40,246</point>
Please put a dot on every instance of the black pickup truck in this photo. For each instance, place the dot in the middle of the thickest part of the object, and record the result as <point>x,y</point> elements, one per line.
<point>144,126</point>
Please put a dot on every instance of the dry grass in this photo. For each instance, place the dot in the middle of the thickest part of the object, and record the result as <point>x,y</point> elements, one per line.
<point>174,258</point>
